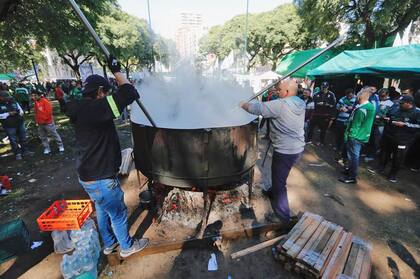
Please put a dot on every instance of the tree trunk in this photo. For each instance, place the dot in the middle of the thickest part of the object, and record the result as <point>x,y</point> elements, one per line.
<point>73,64</point>
<point>369,34</point>
<point>76,70</point>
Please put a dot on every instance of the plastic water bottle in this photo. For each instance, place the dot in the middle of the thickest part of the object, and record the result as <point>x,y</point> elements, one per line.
<point>62,242</point>
<point>67,268</point>
<point>76,236</point>
<point>87,251</point>
<point>87,262</point>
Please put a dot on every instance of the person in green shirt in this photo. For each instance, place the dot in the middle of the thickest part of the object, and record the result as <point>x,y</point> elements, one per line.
<point>358,132</point>
<point>76,92</point>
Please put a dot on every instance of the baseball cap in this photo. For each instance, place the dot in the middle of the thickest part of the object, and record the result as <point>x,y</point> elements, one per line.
<point>93,82</point>
<point>325,84</point>
<point>407,99</point>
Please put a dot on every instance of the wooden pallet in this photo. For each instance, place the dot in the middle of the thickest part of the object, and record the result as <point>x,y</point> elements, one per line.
<point>317,248</point>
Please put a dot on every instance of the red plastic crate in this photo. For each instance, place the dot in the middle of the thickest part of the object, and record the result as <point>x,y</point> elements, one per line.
<point>65,215</point>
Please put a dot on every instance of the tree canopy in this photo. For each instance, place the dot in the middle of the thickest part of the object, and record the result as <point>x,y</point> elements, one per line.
<point>53,24</point>
<point>371,22</point>
<point>271,35</point>
<point>128,38</point>
<point>50,23</point>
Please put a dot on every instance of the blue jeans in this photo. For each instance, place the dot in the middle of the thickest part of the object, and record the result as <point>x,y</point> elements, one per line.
<point>280,169</point>
<point>17,138</point>
<point>110,211</point>
<point>353,153</point>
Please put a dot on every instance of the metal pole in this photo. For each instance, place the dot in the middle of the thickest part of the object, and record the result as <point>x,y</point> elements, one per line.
<point>35,71</point>
<point>148,12</point>
<point>333,44</point>
<point>246,26</point>
<point>104,49</point>
<point>151,34</point>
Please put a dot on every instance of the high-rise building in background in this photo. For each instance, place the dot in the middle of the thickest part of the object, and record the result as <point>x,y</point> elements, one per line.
<point>189,34</point>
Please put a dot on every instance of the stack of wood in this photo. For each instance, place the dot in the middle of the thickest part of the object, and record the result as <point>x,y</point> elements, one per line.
<point>317,248</point>
<point>126,161</point>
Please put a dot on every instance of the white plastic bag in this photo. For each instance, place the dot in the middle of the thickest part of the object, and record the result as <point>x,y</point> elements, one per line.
<point>62,242</point>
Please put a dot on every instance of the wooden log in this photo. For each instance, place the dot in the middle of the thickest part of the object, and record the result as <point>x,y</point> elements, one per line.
<point>328,260</point>
<point>319,264</point>
<point>306,223</point>
<point>257,247</point>
<point>296,231</point>
<point>359,261</point>
<point>336,264</point>
<point>351,260</point>
<point>334,256</point>
<point>307,248</point>
<point>316,252</point>
<point>303,239</point>
<point>366,266</point>
<point>308,258</point>
<point>299,223</point>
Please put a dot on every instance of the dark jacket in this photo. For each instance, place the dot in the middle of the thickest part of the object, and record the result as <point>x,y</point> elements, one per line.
<point>12,121</point>
<point>99,152</point>
<point>324,105</point>
<point>402,135</point>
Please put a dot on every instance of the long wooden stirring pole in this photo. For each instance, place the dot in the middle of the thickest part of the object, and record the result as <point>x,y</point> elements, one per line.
<point>333,44</point>
<point>98,41</point>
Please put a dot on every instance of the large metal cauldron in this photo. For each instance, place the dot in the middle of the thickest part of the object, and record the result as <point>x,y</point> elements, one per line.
<point>196,158</point>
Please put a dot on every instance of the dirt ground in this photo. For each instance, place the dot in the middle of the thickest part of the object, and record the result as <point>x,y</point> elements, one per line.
<point>384,213</point>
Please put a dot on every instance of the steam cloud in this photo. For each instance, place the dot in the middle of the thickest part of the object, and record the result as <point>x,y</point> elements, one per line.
<point>190,101</point>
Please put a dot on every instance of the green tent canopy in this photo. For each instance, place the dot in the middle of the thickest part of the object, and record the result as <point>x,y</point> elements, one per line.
<point>293,60</point>
<point>389,62</point>
<point>7,76</point>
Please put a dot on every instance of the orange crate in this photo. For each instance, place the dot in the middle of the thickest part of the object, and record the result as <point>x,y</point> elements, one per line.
<point>65,215</point>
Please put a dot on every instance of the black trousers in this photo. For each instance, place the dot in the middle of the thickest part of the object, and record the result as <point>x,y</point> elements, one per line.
<point>322,123</point>
<point>391,147</point>
<point>62,104</point>
<point>374,142</point>
<point>340,128</point>
<point>413,154</point>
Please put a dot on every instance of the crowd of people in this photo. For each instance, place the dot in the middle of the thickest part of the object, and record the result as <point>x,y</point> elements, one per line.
<point>381,125</point>
<point>18,99</point>
<point>391,135</point>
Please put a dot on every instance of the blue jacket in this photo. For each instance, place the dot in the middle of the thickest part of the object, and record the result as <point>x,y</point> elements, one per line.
<point>374,99</point>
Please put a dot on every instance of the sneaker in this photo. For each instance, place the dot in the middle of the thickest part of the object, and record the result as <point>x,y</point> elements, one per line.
<point>47,151</point>
<point>138,245</point>
<point>392,179</point>
<point>109,250</point>
<point>347,180</point>
<point>61,148</point>
<point>415,169</point>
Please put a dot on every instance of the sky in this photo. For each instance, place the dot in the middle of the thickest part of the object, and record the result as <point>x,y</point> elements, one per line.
<point>165,14</point>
